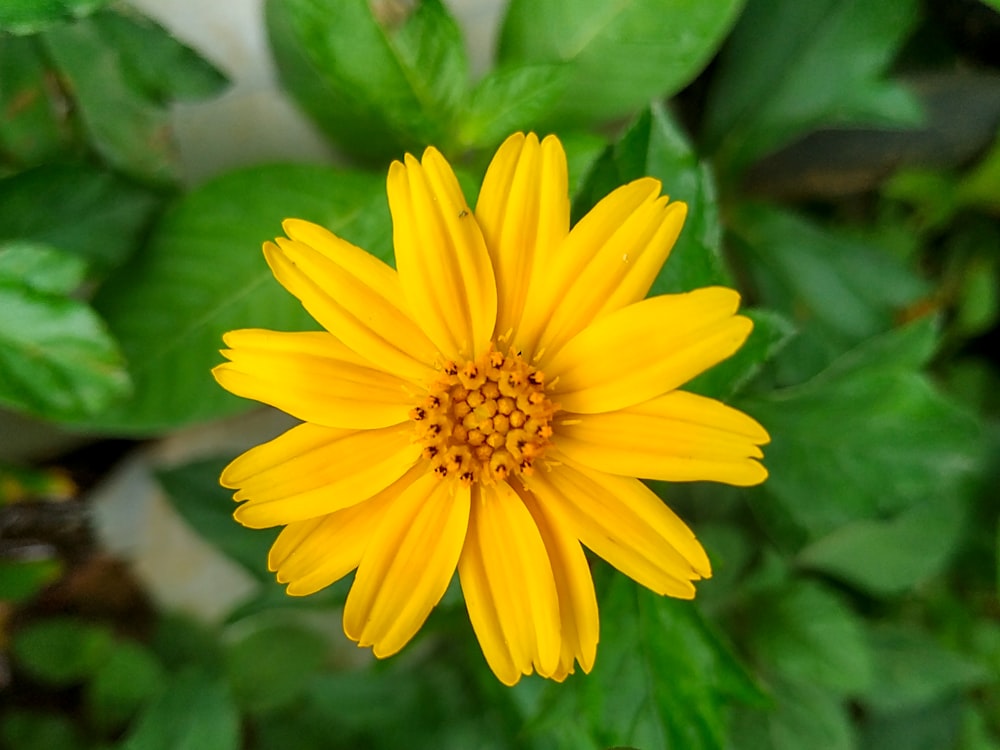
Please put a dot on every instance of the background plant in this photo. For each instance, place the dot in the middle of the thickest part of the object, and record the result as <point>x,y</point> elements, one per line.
<point>841,165</point>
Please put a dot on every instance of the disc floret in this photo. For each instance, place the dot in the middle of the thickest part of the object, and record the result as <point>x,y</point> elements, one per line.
<point>485,420</point>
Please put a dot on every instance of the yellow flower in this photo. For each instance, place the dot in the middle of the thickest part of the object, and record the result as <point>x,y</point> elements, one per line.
<point>487,407</point>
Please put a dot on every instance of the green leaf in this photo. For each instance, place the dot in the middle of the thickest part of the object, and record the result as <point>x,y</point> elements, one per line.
<point>976,732</point>
<point>127,129</point>
<point>203,274</point>
<point>663,678</point>
<point>912,669</point>
<point>510,99</point>
<point>352,704</point>
<point>930,727</point>
<point>838,290</point>
<point>32,16</point>
<point>979,299</point>
<point>126,682</point>
<point>93,214</point>
<point>804,715</point>
<point>155,64</point>
<point>908,347</point>
<point>621,55</point>
<point>57,359</point>
<point>272,596</point>
<point>977,634</point>
<point>120,71</point>
<point>433,705</point>
<point>377,87</point>
<point>40,267</point>
<point>890,556</point>
<point>583,153</point>
<point>805,633</point>
<point>180,641</point>
<point>979,188</point>
<point>867,438</point>
<point>270,662</point>
<point>20,728</point>
<point>730,550</point>
<point>22,579</point>
<point>62,650</point>
<point>194,712</point>
<point>931,195</point>
<point>195,492</point>
<point>31,131</point>
<point>822,64</point>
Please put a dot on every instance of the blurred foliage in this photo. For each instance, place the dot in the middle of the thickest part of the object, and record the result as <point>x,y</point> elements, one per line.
<point>854,601</point>
<point>618,56</point>
<point>190,304</point>
<point>822,65</point>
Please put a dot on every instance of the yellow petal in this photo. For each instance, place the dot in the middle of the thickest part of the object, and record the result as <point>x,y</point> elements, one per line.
<point>408,564</point>
<point>624,522</point>
<point>355,296</point>
<point>483,613</point>
<point>645,350</point>
<point>523,209</point>
<point>620,270</point>
<point>520,579</point>
<point>310,555</point>
<point>677,437</point>
<point>577,600</point>
<point>311,471</point>
<point>313,377</point>
<point>298,441</point>
<point>289,540</point>
<point>559,271</point>
<point>444,267</point>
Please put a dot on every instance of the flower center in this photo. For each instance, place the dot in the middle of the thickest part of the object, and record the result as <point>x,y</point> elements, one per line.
<point>486,419</point>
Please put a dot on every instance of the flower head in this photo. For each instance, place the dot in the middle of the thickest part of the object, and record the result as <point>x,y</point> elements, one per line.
<point>488,406</point>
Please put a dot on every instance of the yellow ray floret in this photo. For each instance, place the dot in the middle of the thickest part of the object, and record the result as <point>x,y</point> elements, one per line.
<point>489,409</point>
